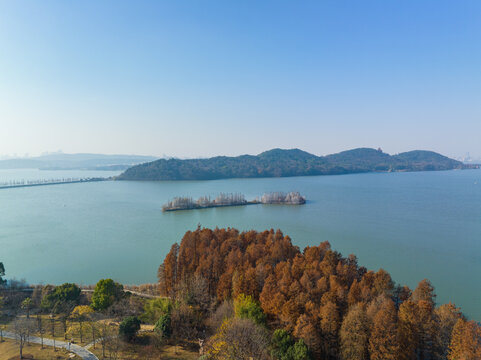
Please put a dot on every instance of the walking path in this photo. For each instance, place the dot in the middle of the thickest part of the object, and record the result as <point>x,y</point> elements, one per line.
<point>76,349</point>
<point>139,294</point>
<point>143,295</point>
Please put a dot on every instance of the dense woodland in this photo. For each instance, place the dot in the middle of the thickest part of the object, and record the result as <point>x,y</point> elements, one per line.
<point>256,295</point>
<point>294,162</point>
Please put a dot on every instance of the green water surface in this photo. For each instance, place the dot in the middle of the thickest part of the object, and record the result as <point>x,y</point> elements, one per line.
<point>415,225</point>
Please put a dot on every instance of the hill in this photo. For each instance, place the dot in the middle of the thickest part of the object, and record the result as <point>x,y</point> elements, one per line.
<point>293,162</point>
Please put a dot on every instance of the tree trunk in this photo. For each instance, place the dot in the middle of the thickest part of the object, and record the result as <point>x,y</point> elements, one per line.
<point>93,335</point>
<point>80,326</point>
<point>53,334</point>
<point>64,323</point>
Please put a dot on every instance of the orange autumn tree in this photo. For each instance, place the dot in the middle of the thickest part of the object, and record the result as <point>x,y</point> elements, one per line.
<point>337,307</point>
<point>465,341</point>
<point>383,342</point>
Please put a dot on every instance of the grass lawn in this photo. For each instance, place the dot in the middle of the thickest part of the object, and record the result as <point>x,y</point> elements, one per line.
<point>9,351</point>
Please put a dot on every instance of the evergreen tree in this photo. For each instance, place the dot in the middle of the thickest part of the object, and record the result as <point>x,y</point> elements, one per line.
<point>106,293</point>
<point>129,327</point>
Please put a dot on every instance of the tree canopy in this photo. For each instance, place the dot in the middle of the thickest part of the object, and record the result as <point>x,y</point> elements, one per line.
<point>65,293</point>
<point>129,327</point>
<point>106,292</point>
<point>245,307</point>
<point>317,302</point>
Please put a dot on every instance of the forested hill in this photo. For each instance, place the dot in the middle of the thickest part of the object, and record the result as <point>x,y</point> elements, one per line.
<point>293,162</point>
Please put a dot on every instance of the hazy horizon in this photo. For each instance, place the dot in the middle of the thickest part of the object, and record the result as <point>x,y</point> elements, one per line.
<point>200,79</point>
<point>166,156</point>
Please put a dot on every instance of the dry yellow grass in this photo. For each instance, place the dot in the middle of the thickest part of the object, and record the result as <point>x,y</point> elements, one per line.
<point>9,351</point>
<point>143,350</point>
<point>170,352</point>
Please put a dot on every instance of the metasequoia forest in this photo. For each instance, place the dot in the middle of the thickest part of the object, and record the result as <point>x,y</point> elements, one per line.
<point>256,295</point>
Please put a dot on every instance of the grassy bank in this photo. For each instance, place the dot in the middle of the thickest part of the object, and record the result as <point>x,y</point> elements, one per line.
<point>9,351</point>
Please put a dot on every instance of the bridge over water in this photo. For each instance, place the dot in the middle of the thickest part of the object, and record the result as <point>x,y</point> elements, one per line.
<point>42,182</point>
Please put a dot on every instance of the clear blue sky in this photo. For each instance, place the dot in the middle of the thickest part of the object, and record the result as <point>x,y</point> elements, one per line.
<point>201,78</point>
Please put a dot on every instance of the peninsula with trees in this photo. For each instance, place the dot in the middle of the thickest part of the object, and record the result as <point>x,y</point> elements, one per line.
<point>293,162</point>
<point>223,294</point>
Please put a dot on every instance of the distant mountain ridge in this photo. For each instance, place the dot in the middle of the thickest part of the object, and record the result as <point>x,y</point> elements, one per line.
<point>61,161</point>
<point>292,162</point>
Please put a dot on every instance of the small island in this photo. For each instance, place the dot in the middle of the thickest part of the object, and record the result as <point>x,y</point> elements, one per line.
<point>222,200</point>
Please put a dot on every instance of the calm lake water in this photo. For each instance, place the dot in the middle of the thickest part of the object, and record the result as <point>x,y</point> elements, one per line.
<point>415,225</point>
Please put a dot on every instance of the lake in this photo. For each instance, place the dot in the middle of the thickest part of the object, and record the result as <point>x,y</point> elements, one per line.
<point>414,225</point>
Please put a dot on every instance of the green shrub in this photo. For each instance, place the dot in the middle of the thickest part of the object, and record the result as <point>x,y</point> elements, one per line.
<point>154,309</point>
<point>164,326</point>
<point>129,327</point>
<point>281,342</point>
<point>106,293</point>
<point>245,307</point>
<point>299,351</point>
<point>283,347</point>
<point>61,295</point>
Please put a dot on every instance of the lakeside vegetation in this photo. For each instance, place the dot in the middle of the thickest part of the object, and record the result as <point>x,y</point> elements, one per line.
<point>225,294</point>
<point>294,162</point>
<point>204,202</point>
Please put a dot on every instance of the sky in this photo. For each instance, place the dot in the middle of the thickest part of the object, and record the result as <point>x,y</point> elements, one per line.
<point>202,78</point>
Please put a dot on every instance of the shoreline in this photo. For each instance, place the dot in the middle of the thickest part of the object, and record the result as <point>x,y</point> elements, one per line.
<point>199,207</point>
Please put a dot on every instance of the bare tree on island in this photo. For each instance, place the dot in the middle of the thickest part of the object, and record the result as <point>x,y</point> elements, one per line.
<point>292,198</point>
<point>179,203</point>
<point>231,199</point>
